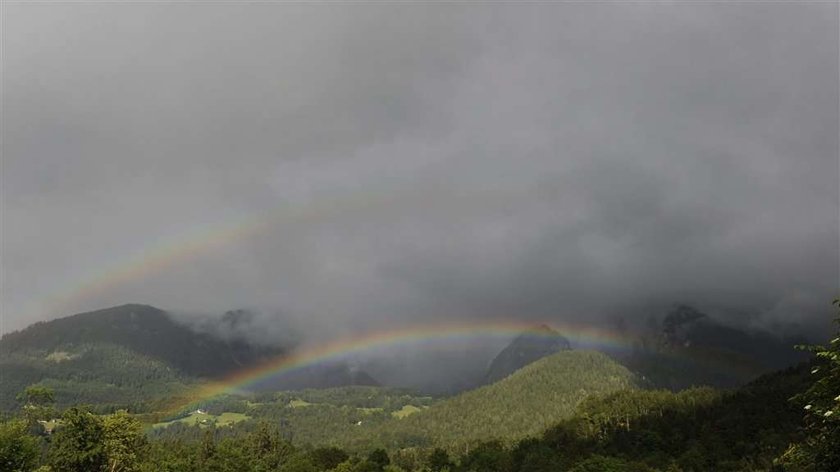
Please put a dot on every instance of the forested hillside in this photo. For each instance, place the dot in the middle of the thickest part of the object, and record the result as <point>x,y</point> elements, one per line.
<point>758,427</point>
<point>525,403</point>
<point>143,329</point>
<point>524,349</point>
<point>105,375</point>
<point>128,356</point>
<point>135,356</point>
<point>575,411</point>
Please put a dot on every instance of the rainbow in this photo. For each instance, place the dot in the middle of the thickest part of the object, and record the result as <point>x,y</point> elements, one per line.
<point>581,337</point>
<point>198,240</point>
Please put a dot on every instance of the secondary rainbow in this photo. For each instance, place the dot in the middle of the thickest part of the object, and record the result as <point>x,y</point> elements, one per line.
<point>197,240</point>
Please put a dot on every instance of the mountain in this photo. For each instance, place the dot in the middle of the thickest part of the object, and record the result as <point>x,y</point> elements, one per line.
<point>127,356</point>
<point>143,329</point>
<point>522,404</point>
<point>133,355</point>
<point>687,327</point>
<point>526,348</point>
<point>691,348</point>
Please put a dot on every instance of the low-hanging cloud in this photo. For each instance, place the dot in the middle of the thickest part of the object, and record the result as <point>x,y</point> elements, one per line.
<point>575,162</point>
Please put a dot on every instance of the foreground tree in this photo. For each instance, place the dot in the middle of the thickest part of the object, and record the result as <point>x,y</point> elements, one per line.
<point>38,404</point>
<point>79,443</point>
<point>125,442</point>
<point>439,461</point>
<point>820,451</point>
<point>376,462</point>
<point>328,458</point>
<point>823,408</point>
<point>18,450</point>
<point>490,456</point>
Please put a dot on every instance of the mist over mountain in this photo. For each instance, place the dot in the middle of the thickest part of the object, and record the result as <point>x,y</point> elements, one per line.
<point>687,347</point>
<point>321,375</point>
<point>419,236</point>
<point>537,162</point>
<point>269,328</point>
<point>133,355</point>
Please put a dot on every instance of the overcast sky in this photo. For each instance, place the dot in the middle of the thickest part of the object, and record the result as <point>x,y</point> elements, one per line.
<point>408,162</point>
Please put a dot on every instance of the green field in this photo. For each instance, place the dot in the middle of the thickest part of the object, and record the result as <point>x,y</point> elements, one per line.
<point>405,411</point>
<point>205,419</point>
<point>298,403</point>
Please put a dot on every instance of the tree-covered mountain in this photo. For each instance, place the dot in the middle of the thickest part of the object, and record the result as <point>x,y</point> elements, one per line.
<point>131,356</point>
<point>526,348</point>
<point>524,403</point>
<point>615,429</point>
<point>780,422</point>
<point>127,356</point>
<point>697,429</point>
<point>107,375</point>
<point>142,329</point>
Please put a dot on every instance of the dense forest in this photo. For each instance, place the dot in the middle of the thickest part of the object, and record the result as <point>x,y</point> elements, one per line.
<point>783,421</point>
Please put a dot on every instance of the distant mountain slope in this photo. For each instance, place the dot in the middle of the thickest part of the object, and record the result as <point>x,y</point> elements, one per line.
<point>526,348</point>
<point>320,376</point>
<point>691,348</point>
<point>143,329</point>
<point>524,403</point>
<point>687,327</point>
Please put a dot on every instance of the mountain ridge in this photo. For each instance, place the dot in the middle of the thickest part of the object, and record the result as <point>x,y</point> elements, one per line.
<point>527,347</point>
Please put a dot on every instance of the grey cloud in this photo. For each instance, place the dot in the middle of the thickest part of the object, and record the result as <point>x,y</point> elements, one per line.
<point>563,161</point>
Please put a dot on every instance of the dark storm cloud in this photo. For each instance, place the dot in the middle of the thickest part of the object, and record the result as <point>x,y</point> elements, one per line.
<point>566,161</point>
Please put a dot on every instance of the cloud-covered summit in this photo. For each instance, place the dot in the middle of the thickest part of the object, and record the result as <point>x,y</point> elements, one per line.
<point>535,161</point>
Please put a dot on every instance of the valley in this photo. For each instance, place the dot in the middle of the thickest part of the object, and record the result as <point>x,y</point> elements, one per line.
<point>544,405</point>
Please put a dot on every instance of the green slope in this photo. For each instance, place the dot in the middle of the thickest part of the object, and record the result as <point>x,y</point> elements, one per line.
<point>522,404</point>
<point>102,374</point>
<point>698,429</point>
<point>525,403</point>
